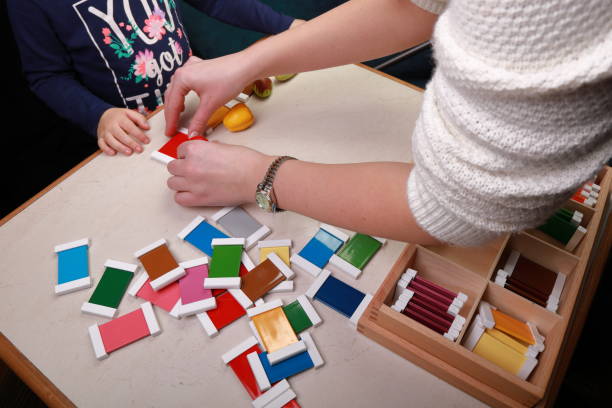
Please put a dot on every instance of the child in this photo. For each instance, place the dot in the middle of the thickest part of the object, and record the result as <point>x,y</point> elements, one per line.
<point>105,64</point>
<point>516,117</point>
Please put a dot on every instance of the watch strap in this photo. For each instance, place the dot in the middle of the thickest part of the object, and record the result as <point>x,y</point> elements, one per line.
<point>267,183</point>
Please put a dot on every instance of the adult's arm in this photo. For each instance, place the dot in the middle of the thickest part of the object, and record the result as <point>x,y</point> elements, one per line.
<point>365,197</point>
<point>358,30</point>
<point>507,131</point>
<point>46,65</point>
<point>249,14</point>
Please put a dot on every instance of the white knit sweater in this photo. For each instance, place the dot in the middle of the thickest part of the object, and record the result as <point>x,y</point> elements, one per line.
<point>517,115</point>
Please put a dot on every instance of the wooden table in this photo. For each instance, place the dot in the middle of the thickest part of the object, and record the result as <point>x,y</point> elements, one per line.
<point>345,114</point>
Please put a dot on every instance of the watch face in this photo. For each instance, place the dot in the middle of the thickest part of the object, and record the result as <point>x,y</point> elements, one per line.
<point>263,201</point>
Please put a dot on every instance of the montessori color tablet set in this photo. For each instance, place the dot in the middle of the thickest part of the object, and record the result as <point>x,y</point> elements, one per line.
<point>223,285</point>
<point>527,296</point>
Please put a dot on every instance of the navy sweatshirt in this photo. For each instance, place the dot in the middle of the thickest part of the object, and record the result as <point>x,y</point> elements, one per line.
<point>82,57</point>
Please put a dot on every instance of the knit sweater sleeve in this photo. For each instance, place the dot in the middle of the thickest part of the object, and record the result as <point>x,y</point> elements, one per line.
<point>515,118</point>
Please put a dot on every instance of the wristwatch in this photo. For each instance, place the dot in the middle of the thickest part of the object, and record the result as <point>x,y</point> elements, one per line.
<point>264,196</point>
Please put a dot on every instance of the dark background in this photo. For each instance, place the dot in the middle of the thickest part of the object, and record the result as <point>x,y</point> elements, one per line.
<point>42,147</point>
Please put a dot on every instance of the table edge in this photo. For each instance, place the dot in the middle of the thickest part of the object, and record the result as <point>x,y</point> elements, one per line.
<point>32,376</point>
<point>10,354</point>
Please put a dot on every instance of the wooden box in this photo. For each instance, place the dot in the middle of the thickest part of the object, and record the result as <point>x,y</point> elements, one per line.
<point>472,271</point>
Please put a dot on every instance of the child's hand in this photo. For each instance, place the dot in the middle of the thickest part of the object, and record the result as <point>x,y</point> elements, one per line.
<point>121,130</point>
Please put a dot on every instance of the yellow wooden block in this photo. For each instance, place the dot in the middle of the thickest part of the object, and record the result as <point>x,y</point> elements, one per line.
<point>500,354</point>
<point>513,327</point>
<point>282,252</point>
<point>274,329</point>
<point>238,118</point>
<point>217,116</point>
<point>517,345</point>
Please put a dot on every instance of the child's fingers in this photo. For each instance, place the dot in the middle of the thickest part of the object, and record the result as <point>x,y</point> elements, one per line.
<point>105,147</point>
<point>114,143</point>
<point>126,139</point>
<point>131,129</point>
<point>140,120</point>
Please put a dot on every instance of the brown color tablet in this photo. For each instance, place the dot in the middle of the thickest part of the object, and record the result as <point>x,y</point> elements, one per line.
<point>158,261</point>
<point>261,279</point>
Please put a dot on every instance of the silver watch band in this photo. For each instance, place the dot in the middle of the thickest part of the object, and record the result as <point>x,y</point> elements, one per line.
<point>266,184</point>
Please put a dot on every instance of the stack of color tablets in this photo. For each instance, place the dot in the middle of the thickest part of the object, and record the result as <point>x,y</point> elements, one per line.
<point>356,253</point>
<point>263,395</point>
<point>238,114</point>
<point>279,348</point>
<point>282,249</point>
<point>255,283</point>
<point>224,270</point>
<point>330,245</point>
<point>230,304</point>
<point>287,349</point>
<point>510,343</point>
<point>318,251</point>
<point>160,264</point>
<point>234,280</point>
<point>169,151</point>
<point>167,298</point>
<point>203,235</point>
<point>531,280</point>
<point>430,304</point>
<point>265,277</point>
<point>194,297</point>
<point>238,223</point>
<point>564,226</point>
<point>219,289</point>
<point>587,194</point>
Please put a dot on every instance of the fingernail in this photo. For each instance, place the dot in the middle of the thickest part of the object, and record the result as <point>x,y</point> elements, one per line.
<point>139,149</point>
<point>147,140</point>
<point>193,134</point>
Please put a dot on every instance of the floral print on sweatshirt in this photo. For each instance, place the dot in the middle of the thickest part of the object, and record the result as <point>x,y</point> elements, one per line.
<point>142,43</point>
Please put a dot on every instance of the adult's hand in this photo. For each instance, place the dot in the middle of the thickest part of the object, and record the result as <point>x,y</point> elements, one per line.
<point>216,174</point>
<point>361,30</point>
<point>215,81</point>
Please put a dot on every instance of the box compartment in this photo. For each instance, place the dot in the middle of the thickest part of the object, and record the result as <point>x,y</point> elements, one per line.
<point>544,254</point>
<point>586,223</point>
<point>470,270</point>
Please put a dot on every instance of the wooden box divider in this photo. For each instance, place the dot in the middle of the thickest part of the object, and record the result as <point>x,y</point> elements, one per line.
<point>545,254</point>
<point>472,271</point>
<point>603,179</point>
<point>479,260</point>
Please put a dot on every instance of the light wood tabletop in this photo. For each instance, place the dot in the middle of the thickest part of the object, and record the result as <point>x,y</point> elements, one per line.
<point>339,115</point>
